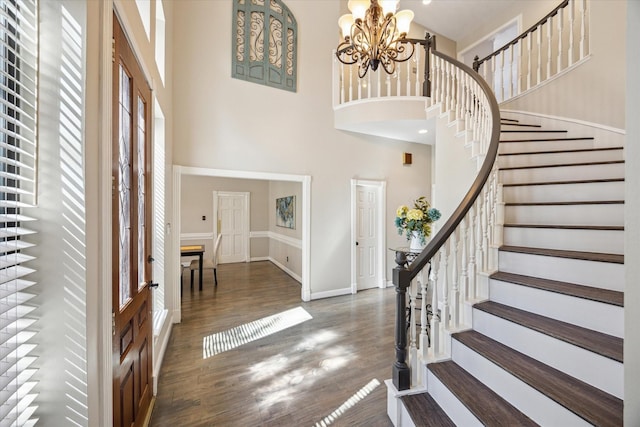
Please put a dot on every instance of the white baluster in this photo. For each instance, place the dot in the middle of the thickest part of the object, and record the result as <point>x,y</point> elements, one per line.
<point>342,84</point>
<point>360,83</point>
<point>471,295</point>
<point>378,75</point>
<point>571,7</point>
<point>424,332</point>
<point>560,52</point>
<point>435,320</point>
<point>445,319</point>
<point>518,64</point>
<point>583,29</point>
<point>500,79</point>
<point>485,228</point>
<point>455,291</point>
<point>529,68</point>
<point>464,259</point>
<point>387,85</point>
<point>549,56</point>
<point>479,257</point>
<point>351,82</point>
<point>539,41</point>
<point>368,85</point>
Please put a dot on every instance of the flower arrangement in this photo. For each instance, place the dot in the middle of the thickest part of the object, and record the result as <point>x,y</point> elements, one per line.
<point>417,219</point>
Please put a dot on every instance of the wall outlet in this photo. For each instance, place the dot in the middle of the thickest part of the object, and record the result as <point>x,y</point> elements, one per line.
<point>287,259</point>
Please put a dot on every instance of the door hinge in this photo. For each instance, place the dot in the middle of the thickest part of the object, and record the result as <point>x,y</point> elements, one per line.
<point>113,324</point>
<point>113,50</point>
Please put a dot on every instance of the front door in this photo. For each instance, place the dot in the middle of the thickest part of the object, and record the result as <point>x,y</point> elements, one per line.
<point>232,214</point>
<point>367,237</point>
<point>131,225</point>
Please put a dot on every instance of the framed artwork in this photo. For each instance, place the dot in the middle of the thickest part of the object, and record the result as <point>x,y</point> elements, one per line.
<point>286,212</point>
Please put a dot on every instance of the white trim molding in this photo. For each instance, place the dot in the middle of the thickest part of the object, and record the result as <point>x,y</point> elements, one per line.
<point>196,236</point>
<point>285,269</point>
<point>568,120</point>
<point>330,294</point>
<point>287,240</point>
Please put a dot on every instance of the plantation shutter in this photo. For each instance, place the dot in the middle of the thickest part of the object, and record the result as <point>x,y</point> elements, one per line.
<point>18,99</point>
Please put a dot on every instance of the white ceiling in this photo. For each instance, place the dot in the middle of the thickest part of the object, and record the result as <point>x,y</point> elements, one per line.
<point>458,19</point>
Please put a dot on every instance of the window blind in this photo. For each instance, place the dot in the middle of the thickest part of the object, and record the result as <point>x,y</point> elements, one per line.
<point>18,117</point>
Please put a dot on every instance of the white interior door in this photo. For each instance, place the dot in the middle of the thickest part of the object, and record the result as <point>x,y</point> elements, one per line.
<point>233,223</point>
<point>367,269</point>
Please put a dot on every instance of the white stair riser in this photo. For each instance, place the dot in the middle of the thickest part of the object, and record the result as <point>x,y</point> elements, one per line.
<point>579,214</point>
<point>583,192</point>
<point>526,399</point>
<point>562,173</point>
<point>599,371</point>
<point>535,146</point>
<point>607,241</point>
<point>449,403</point>
<point>559,158</point>
<point>602,275</point>
<point>577,311</point>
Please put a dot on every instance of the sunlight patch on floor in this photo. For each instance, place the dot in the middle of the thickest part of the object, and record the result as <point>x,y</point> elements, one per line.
<point>351,402</point>
<point>228,340</point>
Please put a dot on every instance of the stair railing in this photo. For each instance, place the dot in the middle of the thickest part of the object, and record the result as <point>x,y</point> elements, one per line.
<point>554,44</point>
<point>450,264</point>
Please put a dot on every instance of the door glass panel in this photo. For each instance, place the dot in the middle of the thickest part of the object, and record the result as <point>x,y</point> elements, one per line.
<point>124,186</point>
<point>141,192</point>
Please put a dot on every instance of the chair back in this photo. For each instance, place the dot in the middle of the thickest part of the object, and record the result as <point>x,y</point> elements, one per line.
<point>216,249</point>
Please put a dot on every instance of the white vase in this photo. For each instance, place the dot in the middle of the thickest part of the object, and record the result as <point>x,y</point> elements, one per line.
<point>416,242</point>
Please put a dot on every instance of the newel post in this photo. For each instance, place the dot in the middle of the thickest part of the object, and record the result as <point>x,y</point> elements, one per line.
<point>401,373</point>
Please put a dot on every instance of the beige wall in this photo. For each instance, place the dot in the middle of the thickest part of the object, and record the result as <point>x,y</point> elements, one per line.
<point>197,201</point>
<point>226,123</point>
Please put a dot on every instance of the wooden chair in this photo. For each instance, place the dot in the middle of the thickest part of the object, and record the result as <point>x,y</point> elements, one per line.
<point>208,264</point>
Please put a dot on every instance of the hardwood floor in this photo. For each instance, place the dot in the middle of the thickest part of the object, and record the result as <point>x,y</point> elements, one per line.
<point>295,377</point>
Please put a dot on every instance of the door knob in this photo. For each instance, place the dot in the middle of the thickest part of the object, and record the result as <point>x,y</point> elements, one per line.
<point>357,243</point>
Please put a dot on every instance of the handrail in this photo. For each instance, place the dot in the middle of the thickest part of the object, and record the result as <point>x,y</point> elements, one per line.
<point>477,62</point>
<point>403,277</point>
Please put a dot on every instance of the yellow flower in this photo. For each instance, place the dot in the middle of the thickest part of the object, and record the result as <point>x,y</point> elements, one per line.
<point>402,210</point>
<point>414,214</point>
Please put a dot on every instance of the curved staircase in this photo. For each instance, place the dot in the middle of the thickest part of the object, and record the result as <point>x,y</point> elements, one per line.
<point>546,348</point>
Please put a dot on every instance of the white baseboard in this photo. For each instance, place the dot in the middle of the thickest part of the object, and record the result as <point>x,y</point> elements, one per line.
<point>329,294</point>
<point>161,341</point>
<point>285,269</point>
<point>259,258</point>
<point>196,236</point>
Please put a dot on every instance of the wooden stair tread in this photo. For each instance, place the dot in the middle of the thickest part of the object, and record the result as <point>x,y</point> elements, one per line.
<point>484,403</point>
<point>596,342</point>
<point>577,202</point>
<point>591,293</point>
<point>502,119</point>
<point>532,131</point>
<point>608,162</point>
<point>520,125</point>
<point>580,150</point>
<point>576,181</point>
<point>569,227</point>
<point>586,138</point>
<point>558,253</point>
<point>425,412</point>
<point>588,402</point>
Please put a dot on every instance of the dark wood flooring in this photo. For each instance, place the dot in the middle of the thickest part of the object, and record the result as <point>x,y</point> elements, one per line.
<point>297,377</point>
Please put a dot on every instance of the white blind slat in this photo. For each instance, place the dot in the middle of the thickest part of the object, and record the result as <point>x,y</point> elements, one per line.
<point>18,148</point>
<point>13,245</point>
<point>15,273</point>
<point>13,259</point>
<point>15,232</point>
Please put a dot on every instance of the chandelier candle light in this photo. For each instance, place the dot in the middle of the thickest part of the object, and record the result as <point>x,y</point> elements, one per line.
<point>375,34</point>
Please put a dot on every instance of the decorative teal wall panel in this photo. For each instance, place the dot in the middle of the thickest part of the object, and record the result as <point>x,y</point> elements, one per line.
<point>265,43</point>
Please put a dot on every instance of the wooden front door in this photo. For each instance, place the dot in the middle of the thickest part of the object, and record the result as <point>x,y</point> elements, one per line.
<point>131,222</point>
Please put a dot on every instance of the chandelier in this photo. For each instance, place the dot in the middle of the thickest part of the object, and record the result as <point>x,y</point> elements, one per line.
<point>375,34</point>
